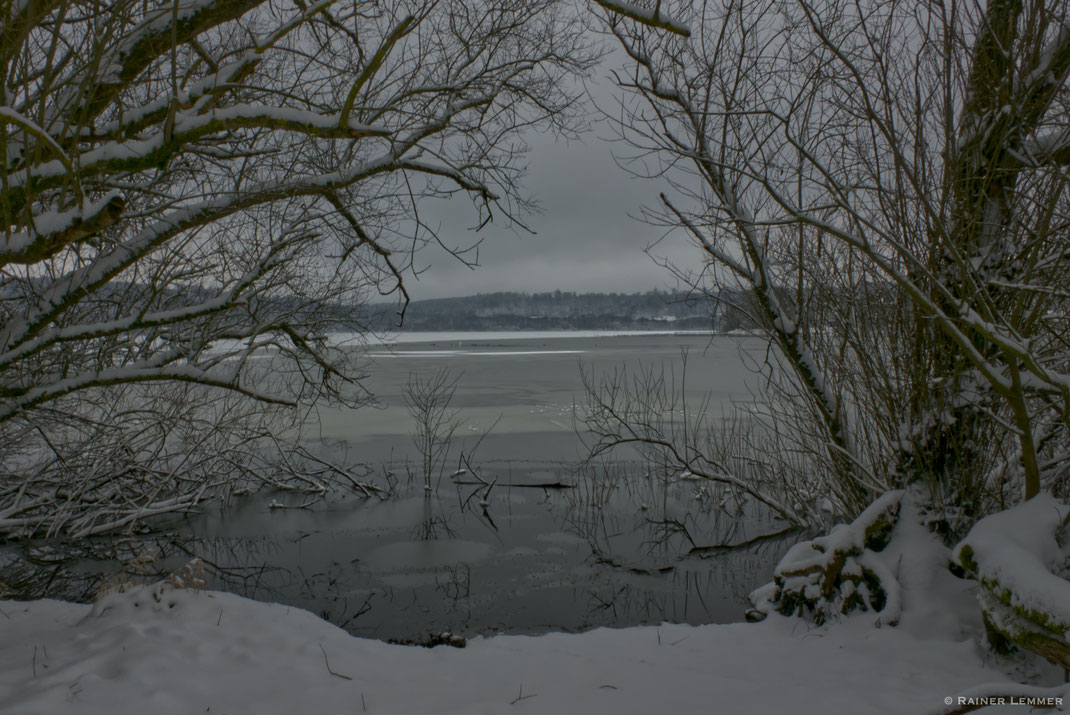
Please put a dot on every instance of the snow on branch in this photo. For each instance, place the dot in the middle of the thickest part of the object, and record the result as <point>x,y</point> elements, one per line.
<point>450,173</point>
<point>10,116</point>
<point>782,328</point>
<point>14,400</point>
<point>141,320</point>
<point>325,125</point>
<point>151,39</point>
<point>224,78</point>
<point>67,290</point>
<point>1052,146</point>
<point>651,17</point>
<point>137,154</point>
<point>56,229</point>
<point>156,150</point>
<point>96,518</point>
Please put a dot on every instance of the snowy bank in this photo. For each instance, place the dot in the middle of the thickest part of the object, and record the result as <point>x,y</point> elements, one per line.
<point>160,650</point>
<point>157,649</point>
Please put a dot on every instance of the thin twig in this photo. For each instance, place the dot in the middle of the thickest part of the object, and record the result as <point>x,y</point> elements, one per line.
<point>328,664</point>
<point>520,696</point>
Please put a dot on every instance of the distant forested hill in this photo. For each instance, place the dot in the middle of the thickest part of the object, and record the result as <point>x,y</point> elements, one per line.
<point>557,310</point>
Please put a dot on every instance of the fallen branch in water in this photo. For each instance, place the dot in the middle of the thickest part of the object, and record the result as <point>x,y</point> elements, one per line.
<point>366,488</point>
<point>705,551</point>
<point>638,570</point>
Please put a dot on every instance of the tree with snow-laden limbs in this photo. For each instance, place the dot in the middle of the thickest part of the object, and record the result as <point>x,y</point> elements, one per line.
<point>191,190</point>
<point>886,182</point>
<point>886,185</point>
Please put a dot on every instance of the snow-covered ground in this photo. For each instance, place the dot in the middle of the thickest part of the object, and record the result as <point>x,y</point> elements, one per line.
<point>157,649</point>
<point>175,651</point>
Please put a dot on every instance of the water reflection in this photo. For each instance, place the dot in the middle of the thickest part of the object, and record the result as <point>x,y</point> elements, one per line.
<point>618,549</point>
<point>610,544</point>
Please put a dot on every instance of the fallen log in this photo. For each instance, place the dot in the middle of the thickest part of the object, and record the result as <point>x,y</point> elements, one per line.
<point>837,573</point>
<point>1016,557</point>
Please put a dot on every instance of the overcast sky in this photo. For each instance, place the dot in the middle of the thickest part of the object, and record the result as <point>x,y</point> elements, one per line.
<point>585,239</point>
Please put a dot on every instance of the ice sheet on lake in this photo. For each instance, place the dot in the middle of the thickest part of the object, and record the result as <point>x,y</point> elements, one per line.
<point>461,338</point>
<point>467,353</point>
<point>485,336</point>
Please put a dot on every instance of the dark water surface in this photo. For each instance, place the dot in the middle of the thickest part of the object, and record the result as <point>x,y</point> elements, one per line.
<point>531,560</point>
<point>612,550</point>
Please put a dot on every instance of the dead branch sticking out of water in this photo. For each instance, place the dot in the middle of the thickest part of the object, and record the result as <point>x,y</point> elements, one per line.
<point>358,485</point>
<point>710,550</point>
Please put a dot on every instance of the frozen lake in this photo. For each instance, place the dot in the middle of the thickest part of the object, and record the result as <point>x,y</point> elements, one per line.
<point>526,386</point>
<point>532,559</point>
<point>606,552</point>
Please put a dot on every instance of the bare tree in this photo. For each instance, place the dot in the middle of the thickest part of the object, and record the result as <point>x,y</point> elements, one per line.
<point>887,181</point>
<point>196,192</point>
<point>647,410</point>
<point>434,420</point>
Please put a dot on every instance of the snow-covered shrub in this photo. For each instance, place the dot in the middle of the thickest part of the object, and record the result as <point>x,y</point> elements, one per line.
<point>836,574</point>
<point>197,193</point>
<point>905,269</point>
<point>159,596</point>
<point>1021,559</point>
<point>139,574</point>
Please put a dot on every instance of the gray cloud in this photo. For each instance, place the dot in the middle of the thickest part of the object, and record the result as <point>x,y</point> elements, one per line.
<point>587,237</point>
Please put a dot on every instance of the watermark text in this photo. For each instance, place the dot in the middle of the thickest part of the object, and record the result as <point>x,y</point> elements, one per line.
<point>1043,701</point>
